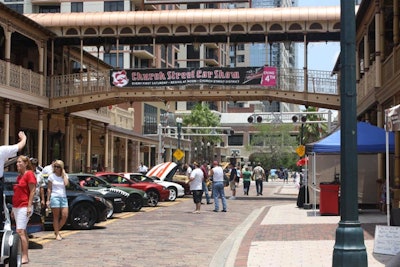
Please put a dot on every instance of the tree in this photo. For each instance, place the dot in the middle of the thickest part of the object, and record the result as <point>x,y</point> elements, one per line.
<point>202,116</point>
<point>273,146</point>
<point>313,132</point>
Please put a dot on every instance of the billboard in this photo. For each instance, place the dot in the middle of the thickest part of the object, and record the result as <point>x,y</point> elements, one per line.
<point>190,76</point>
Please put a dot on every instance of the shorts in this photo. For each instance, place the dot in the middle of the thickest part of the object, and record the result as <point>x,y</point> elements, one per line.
<point>21,217</point>
<point>197,195</point>
<point>58,202</point>
<point>232,185</point>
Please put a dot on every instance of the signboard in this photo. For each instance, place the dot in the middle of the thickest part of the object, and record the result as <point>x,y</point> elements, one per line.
<point>178,154</point>
<point>269,76</point>
<point>189,76</point>
<point>387,240</point>
<point>393,119</point>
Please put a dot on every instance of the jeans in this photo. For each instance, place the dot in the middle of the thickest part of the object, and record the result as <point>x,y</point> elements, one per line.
<point>205,190</point>
<point>218,191</point>
<point>259,186</point>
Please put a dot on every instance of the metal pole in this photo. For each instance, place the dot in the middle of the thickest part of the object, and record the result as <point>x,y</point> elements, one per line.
<point>349,248</point>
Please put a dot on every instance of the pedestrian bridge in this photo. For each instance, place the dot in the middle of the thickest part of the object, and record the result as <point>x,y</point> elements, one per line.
<point>84,91</point>
<point>77,92</point>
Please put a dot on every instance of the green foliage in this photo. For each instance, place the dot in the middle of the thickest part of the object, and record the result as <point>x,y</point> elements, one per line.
<point>202,116</point>
<point>273,146</point>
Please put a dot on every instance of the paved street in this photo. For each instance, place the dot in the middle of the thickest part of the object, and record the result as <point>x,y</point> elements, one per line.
<point>168,235</point>
<point>268,230</point>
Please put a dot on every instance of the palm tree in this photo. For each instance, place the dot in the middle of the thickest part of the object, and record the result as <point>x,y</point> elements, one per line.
<point>313,132</point>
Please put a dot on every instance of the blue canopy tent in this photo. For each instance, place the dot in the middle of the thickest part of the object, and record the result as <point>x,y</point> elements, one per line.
<point>370,139</point>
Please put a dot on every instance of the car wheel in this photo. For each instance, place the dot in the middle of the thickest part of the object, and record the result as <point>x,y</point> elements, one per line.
<point>153,197</point>
<point>173,193</point>
<point>15,259</point>
<point>134,203</point>
<point>83,216</point>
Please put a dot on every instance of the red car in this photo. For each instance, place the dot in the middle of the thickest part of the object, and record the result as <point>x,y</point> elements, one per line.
<point>154,191</point>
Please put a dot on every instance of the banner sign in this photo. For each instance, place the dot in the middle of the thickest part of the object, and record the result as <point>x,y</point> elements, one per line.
<point>189,76</point>
<point>392,117</point>
<point>269,76</point>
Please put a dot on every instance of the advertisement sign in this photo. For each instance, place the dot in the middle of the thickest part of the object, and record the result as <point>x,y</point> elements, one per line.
<point>189,76</point>
<point>269,76</point>
<point>392,116</point>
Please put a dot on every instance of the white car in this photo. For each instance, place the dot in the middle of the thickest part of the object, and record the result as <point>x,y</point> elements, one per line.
<point>175,189</point>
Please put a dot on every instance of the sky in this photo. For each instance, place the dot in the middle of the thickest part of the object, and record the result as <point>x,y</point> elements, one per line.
<point>328,51</point>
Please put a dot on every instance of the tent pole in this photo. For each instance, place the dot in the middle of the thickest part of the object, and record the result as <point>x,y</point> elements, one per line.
<point>387,180</point>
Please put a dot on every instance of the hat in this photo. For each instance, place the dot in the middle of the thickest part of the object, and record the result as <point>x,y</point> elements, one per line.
<point>196,164</point>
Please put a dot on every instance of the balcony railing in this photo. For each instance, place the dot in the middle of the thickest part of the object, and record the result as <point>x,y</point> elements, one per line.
<point>78,84</point>
<point>20,78</point>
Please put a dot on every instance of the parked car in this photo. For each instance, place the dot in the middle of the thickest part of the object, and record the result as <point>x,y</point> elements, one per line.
<point>167,172</point>
<point>134,199</point>
<point>85,209</point>
<point>175,189</point>
<point>155,192</point>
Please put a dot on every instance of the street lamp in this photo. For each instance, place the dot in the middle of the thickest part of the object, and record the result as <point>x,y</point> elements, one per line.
<point>79,139</point>
<point>208,151</point>
<point>179,129</point>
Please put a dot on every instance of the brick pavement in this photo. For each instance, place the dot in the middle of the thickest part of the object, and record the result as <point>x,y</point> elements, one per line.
<point>256,231</point>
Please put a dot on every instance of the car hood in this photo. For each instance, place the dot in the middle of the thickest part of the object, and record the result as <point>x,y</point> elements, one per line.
<point>163,171</point>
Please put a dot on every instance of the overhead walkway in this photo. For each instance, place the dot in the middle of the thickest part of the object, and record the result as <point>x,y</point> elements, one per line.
<point>245,25</point>
<point>75,92</point>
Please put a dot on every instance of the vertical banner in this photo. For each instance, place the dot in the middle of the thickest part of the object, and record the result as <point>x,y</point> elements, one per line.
<point>269,76</point>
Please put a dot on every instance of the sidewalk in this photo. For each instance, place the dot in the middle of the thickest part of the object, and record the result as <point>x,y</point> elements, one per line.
<point>290,236</point>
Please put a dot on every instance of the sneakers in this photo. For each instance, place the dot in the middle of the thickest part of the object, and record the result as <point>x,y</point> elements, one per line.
<point>208,203</point>
<point>223,210</point>
<point>215,210</point>
<point>232,197</point>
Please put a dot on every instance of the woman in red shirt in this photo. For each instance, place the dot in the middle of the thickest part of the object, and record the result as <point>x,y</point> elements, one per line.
<point>24,191</point>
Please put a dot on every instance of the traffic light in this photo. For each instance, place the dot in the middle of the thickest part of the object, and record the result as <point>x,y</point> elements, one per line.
<point>230,132</point>
<point>250,119</point>
<point>259,119</point>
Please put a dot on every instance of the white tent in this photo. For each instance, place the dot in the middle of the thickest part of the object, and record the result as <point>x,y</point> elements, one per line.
<point>392,123</point>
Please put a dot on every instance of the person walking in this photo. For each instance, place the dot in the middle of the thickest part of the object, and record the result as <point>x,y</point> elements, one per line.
<point>195,180</point>
<point>258,176</point>
<point>204,169</point>
<point>246,181</point>
<point>233,180</point>
<point>217,175</point>
<point>22,202</point>
<point>57,196</point>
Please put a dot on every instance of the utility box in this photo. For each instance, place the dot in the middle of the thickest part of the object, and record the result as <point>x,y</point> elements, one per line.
<point>329,198</point>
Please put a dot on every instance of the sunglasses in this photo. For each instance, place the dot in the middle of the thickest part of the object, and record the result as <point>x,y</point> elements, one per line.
<point>57,167</point>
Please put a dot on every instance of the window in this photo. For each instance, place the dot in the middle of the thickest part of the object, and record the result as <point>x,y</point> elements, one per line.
<point>17,7</point>
<point>150,119</point>
<point>235,140</point>
<point>240,47</point>
<point>77,7</point>
<point>112,59</point>
<point>113,6</point>
<point>240,58</point>
<point>49,9</point>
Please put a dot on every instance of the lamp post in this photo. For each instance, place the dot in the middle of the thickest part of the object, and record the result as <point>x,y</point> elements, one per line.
<point>349,248</point>
<point>208,151</point>
<point>179,129</point>
<point>79,139</point>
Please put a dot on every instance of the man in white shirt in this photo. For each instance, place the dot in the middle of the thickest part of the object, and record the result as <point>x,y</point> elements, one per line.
<point>142,168</point>
<point>196,185</point>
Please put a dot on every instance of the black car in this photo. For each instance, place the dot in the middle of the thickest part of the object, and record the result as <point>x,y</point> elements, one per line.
<point>134,199</point>
<point>85,208</point>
